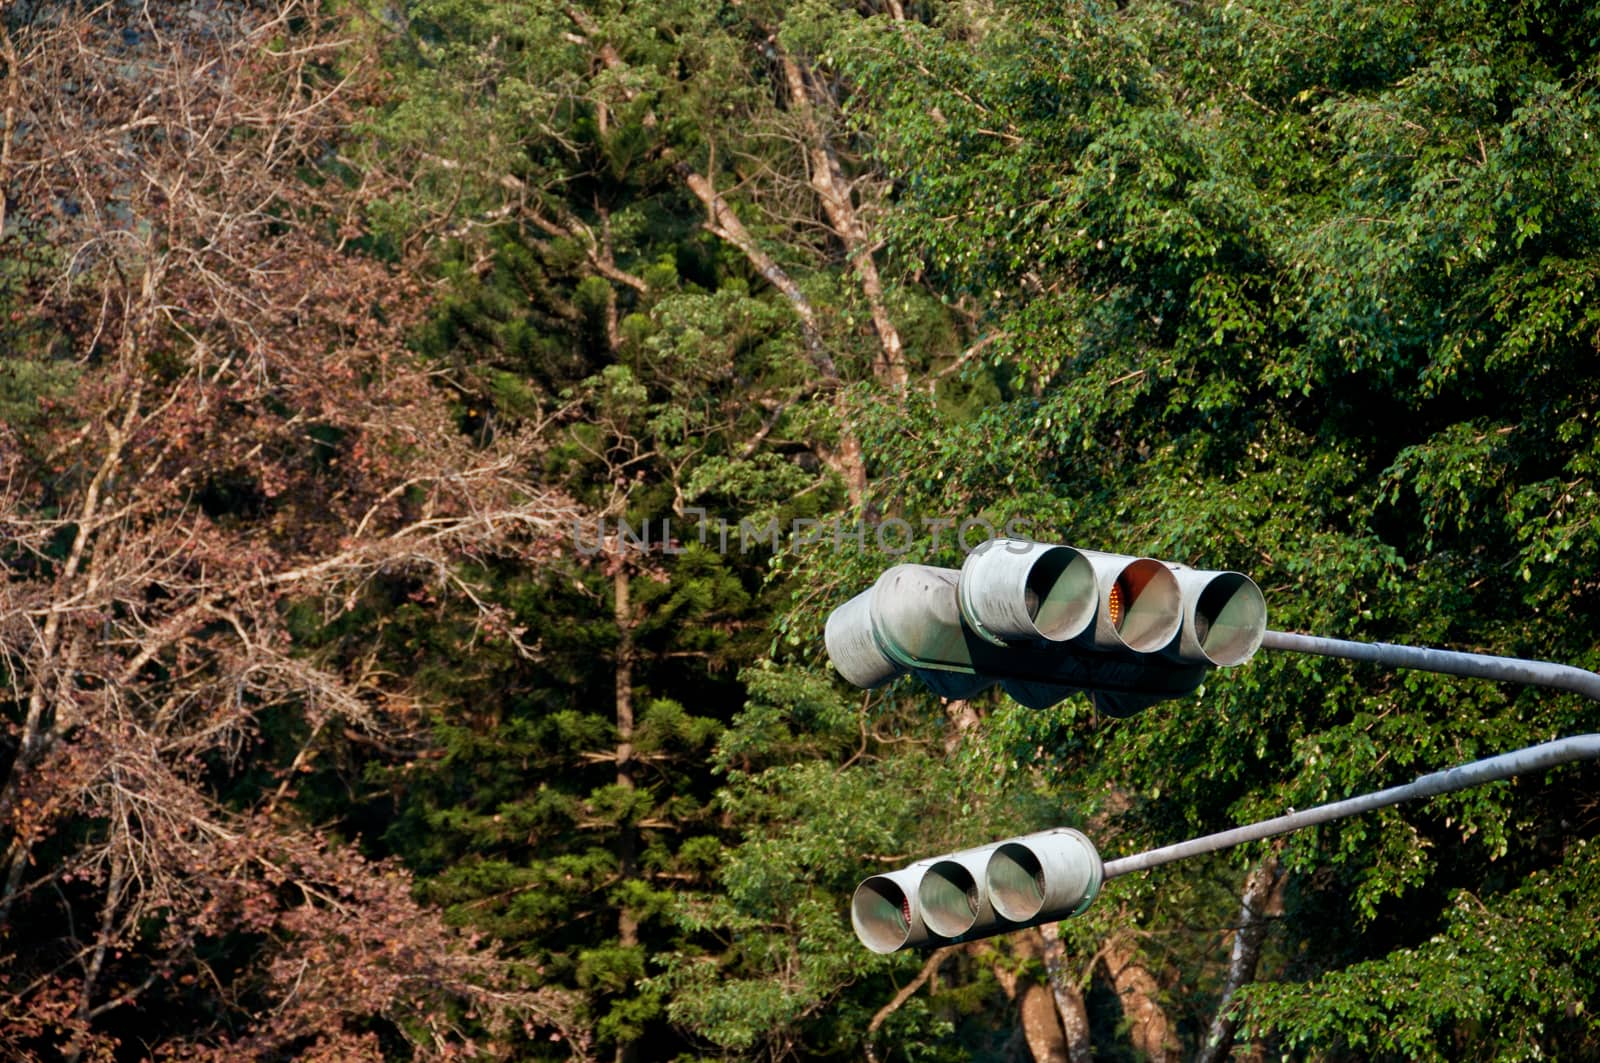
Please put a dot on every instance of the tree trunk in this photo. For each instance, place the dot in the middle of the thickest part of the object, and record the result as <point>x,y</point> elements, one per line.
<point>1148,1026</point>
<point>828,181</point>
<point>627,837</point>
<point>1262,894</point>
<point>1035,1005</point>
<point>1039,1026</point>
<point>907,991</point>
<point>8,52</point>
<point>55,664</point>
<point>722,222</point>
<point>1070,1006</point>
<point>963,718</point>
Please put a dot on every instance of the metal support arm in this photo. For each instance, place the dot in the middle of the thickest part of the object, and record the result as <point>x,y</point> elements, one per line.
<point>1478,772</point>
<point>1450,662</point>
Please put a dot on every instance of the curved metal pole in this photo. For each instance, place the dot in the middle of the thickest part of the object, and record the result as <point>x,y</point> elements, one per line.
<point>1450,662</point>
<point>1478,772</point>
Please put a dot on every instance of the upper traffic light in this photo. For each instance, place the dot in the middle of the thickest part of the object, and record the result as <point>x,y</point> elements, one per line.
<point>1045,621</point>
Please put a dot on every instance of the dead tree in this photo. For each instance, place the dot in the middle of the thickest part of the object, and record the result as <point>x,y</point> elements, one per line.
<point>228,428</point>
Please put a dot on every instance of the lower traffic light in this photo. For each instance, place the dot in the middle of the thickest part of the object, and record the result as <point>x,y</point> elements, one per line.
<point>975,893</point>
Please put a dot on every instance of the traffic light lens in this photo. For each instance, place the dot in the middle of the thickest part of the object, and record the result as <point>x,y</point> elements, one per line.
<point>1016,882</point>
<point>881,912</point>
<point>1143,606</point>
<point>1059,595</point>
<point>948,895</point>
<point>1230,618</point>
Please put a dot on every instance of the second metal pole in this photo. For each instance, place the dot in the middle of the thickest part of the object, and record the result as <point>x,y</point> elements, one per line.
<point>1476,773</point>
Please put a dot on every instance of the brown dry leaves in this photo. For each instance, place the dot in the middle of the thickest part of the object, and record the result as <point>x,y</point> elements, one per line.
<point>246,430</point>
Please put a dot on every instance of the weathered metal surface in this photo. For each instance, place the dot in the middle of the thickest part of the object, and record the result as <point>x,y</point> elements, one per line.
<point>1224,617</point>
<point>978,892</point>
<point>1140,605</point>
<point>1043,877</point>
<point>1476,773</point>
<point>1014,589</point>
<point>1046,622</point>
<point>1450,662</point>
<point>952,895</point>
<point>853,648</point>
<point>884,911</point>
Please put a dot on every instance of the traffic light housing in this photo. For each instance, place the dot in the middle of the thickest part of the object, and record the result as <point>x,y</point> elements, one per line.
<point>1045,621</point>
<point>976,893</point>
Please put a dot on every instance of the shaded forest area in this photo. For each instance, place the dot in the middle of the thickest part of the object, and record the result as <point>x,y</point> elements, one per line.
<point>342,341</point>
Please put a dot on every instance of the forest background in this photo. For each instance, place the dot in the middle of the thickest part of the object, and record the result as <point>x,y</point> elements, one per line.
<point>330,326</point>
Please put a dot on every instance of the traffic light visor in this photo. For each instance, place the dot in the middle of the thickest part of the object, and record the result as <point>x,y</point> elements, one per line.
<point>881,913</point>
<point>1016,882</point>
<point>1053,874</point>
<point>1015,589</point>
<point>1141,608</point>
<point>1230,619</point>
<point>949,897</point>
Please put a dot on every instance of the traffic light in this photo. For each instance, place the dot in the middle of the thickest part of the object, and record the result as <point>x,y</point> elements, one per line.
<point>976,893</point>
<point>1046,621</point>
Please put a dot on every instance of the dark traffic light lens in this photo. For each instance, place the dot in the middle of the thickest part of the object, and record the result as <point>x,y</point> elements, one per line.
<point>1016,882</point>
<point>881,912</point>
<point>1230,619</point>
<point>949,899</point>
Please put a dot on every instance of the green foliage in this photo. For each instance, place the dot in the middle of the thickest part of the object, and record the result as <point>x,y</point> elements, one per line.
<point>1286,302</point>
<point>37,372</point>
<point>1508,977</point>
<point>28,386</point>
<point>826,793</point>
<point>520,824</point>
<point>584,302</point>
<point>1206,281</point>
